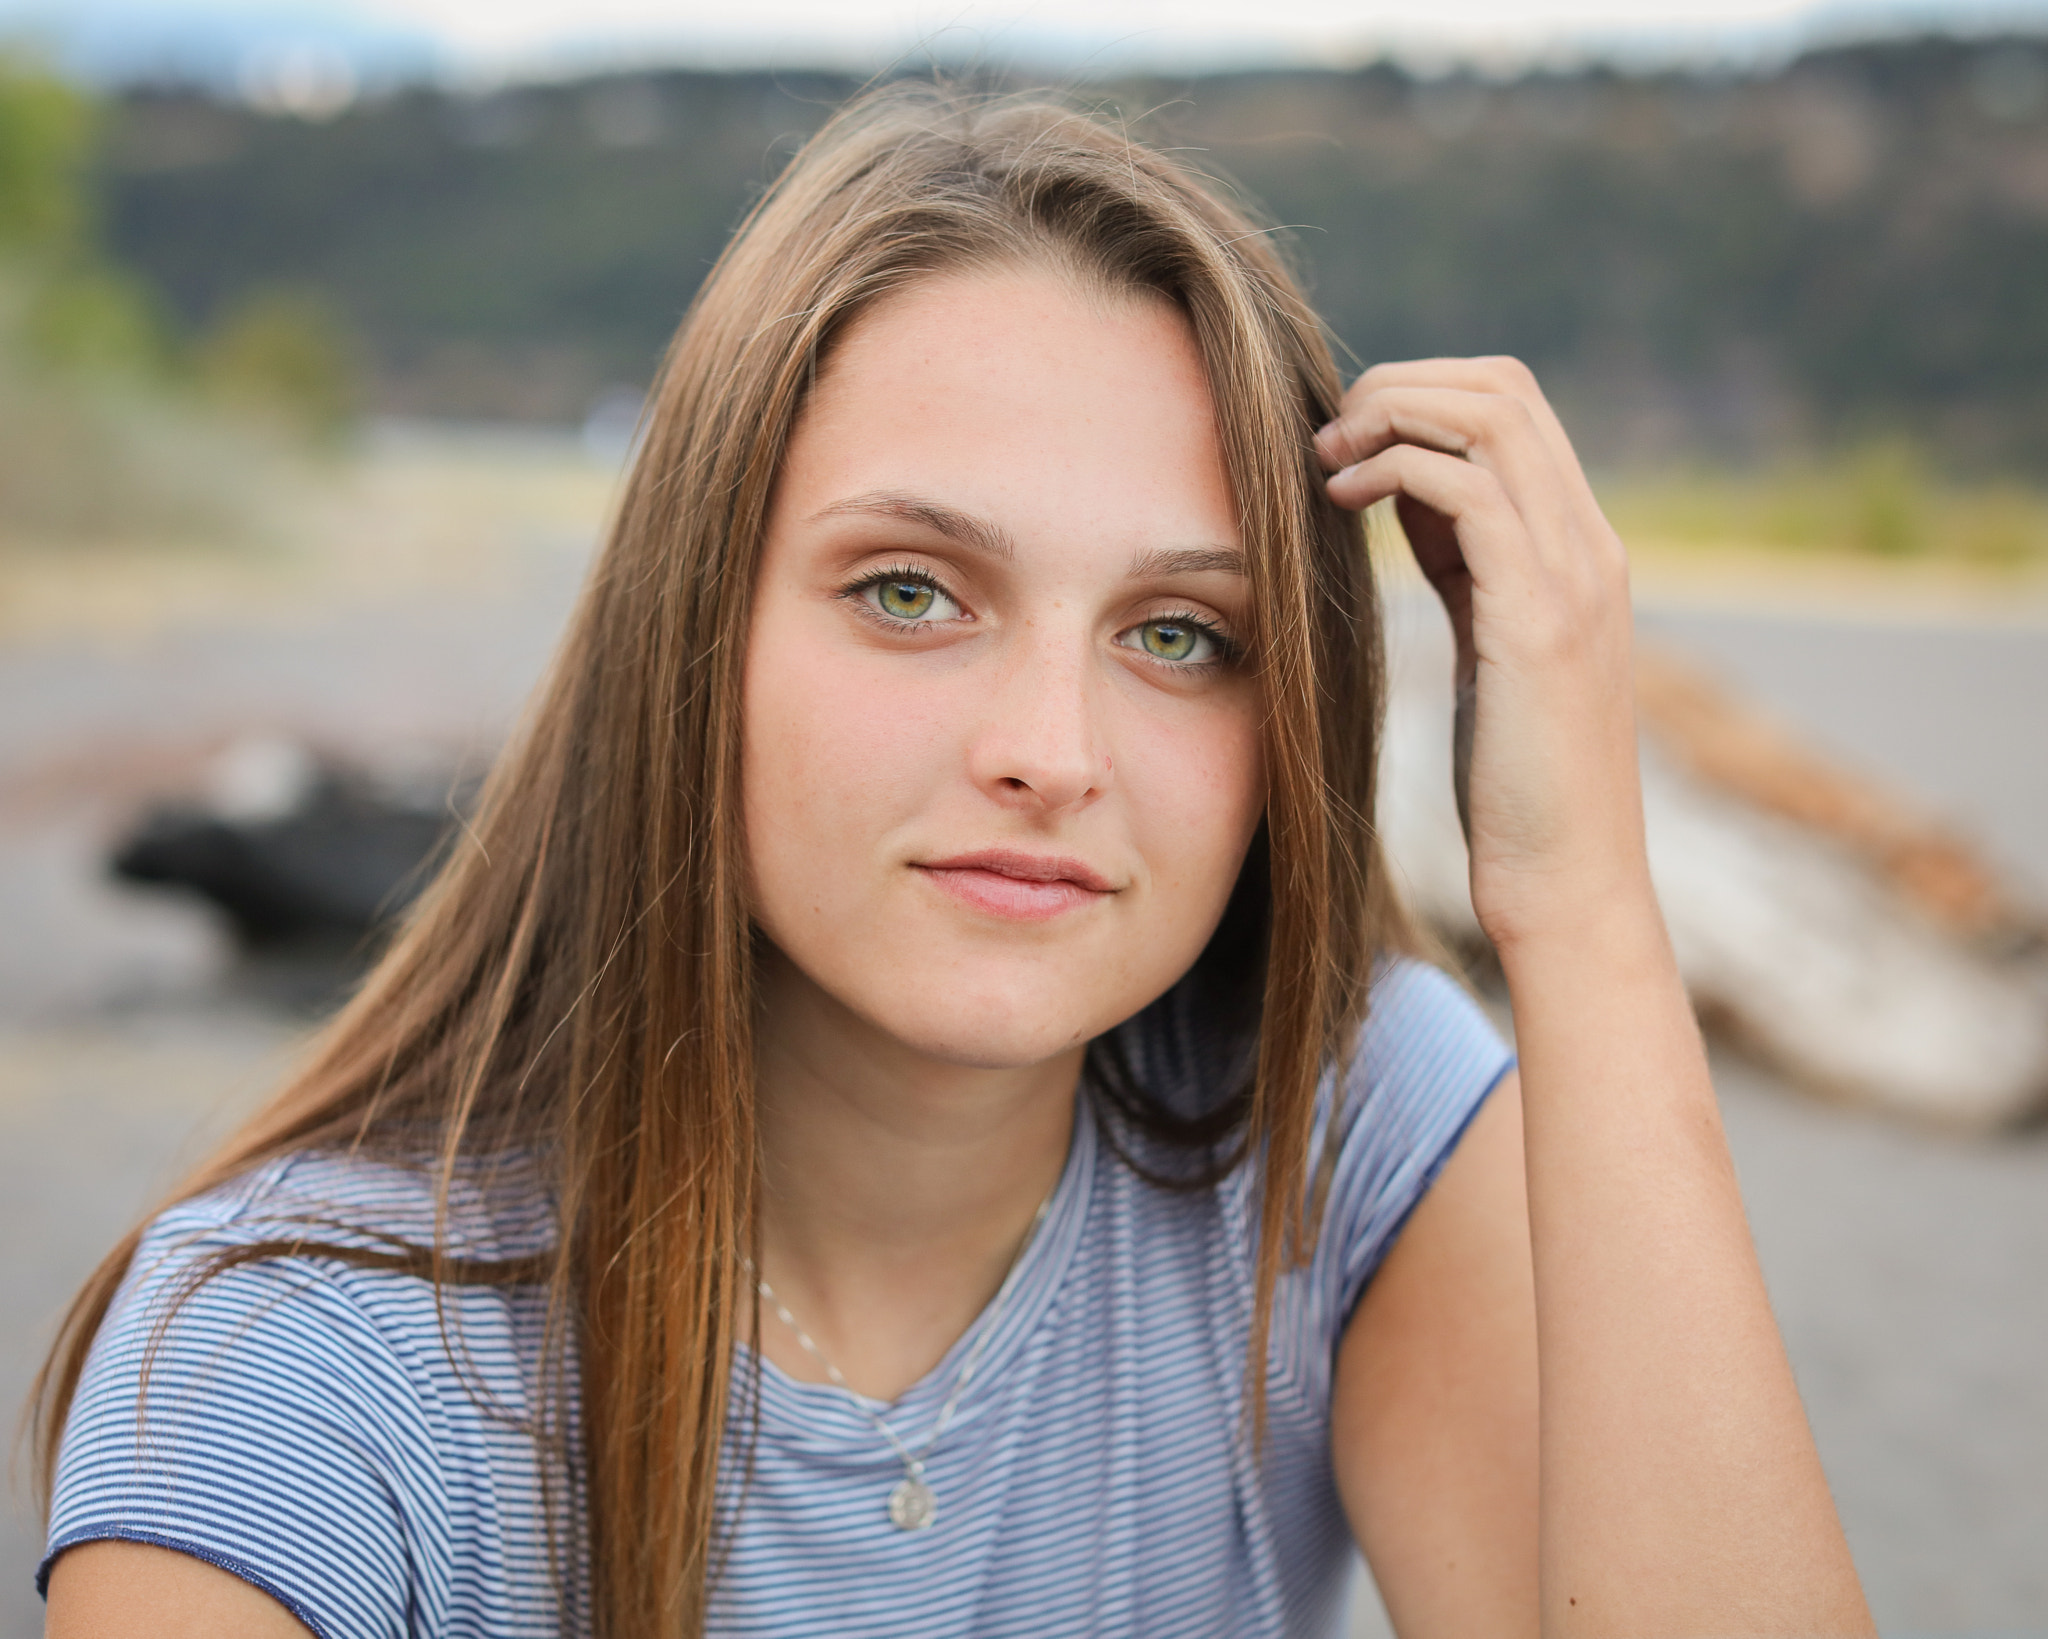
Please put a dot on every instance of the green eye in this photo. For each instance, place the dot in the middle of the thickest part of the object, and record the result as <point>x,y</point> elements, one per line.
<point>905,599</point>
<point>1168,639</point>
<point>1176,642</point>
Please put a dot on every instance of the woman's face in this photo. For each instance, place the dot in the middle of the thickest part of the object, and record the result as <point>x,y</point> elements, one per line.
<point>1002,761</point>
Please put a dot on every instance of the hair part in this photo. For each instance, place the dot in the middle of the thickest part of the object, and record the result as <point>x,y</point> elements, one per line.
<point>577,984</point>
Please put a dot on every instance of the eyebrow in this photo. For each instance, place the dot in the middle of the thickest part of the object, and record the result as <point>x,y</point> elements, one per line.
<point>979,535</point>
<point>1165,562</point>
<point>963,528</point>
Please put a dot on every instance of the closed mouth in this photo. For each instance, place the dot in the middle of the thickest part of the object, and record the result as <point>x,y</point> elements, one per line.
<point>1018,886</point>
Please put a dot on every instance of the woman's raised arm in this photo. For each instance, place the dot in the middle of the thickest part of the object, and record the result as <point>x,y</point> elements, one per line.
<point>1680,1493</point>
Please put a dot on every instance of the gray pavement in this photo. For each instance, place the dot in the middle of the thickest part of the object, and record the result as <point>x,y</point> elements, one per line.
<point>1908,1268</point>
<point>1953,712</point>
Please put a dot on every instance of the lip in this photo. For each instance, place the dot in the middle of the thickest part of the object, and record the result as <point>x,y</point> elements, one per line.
<point>1018,886</point>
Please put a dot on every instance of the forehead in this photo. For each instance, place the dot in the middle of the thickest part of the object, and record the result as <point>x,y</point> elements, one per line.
<point>1024,395</point>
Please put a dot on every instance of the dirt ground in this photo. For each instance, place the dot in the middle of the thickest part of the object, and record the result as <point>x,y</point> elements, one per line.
<point>1907,1267</point>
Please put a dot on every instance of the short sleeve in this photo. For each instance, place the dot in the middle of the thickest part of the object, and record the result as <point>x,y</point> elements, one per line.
<point>1427,1059</point>
<point>266,1427</point>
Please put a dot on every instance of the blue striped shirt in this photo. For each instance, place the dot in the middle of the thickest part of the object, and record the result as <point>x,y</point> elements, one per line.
<point>303,1425</point>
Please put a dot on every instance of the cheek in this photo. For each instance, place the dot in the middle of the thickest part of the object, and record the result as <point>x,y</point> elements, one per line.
<point>1195,794</point>
<point>835,752</point>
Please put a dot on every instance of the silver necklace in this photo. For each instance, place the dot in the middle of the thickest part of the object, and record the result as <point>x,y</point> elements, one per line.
<point>913,1504</point>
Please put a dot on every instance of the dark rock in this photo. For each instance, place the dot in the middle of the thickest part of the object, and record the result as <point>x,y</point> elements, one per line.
<point>331,871</point>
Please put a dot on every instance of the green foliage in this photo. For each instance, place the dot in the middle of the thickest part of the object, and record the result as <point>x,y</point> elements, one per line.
<point>85,460</point>
<point>67,308</point>
<point>100,321</point>
<point>46,135</point>
<point>1881,498</point>
<point>282,353</point>
<point>1888,506</point>
<point>2003,524</point>
<point>104,432</point>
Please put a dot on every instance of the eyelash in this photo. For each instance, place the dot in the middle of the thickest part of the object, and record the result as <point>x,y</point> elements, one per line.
<point>902,574</point>
<point>1228,650</point>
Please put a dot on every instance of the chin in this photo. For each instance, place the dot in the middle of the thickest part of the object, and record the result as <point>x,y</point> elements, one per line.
<point>995,1025</point>
<point>975,1043</point>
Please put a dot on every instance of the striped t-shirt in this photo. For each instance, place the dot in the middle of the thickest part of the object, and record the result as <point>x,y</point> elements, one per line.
<point>304,1426</point>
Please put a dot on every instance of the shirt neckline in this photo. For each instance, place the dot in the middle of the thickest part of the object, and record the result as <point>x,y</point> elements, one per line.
<point>825,1416</point>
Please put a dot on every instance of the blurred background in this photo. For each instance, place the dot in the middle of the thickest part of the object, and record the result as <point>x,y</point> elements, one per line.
<point>324,328</point>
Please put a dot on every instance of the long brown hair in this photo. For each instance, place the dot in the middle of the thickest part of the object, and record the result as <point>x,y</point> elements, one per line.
<point>576,985</point>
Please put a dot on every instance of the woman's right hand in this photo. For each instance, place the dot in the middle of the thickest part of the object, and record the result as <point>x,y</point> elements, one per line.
<point>1507,530</point>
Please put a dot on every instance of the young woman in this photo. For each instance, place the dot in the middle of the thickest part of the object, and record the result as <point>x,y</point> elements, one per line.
<point>916,1111</point>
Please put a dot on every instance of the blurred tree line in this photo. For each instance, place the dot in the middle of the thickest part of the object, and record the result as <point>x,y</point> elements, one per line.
<point>115,419</point>
<point>1853,248</point>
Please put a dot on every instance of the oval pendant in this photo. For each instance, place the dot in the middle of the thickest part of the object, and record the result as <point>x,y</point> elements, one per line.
<point>912,1505</point>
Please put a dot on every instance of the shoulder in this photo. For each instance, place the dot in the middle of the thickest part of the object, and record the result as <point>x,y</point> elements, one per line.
<point>364,1204</point>
<point>1426,1048</point>
<point>1387,1120</point>
<point>1427,1058</point>
<point>1416,1006</point>
<point>290,1279</point>
<point>253,1391</point>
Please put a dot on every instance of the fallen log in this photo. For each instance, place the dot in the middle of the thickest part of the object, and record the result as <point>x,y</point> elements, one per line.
<point>1731,747</point>
<point>1818,919</point>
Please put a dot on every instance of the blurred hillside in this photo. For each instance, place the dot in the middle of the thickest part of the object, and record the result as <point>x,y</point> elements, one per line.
<point>116,422</point>
<point>1850,248</point>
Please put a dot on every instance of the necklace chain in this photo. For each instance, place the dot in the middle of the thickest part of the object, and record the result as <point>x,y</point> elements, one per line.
<point>912,1503</point>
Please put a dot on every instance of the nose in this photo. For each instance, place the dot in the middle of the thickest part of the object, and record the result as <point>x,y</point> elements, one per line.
<point>1040,746</point>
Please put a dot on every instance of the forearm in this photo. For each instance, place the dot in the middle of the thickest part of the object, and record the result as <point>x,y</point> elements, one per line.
<point>1681,1494</point>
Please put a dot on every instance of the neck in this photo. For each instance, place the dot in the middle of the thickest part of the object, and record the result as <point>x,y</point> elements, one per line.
<point>898,1187</point>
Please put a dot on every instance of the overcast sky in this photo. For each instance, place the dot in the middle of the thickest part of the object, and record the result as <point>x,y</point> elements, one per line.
<point>490,39</point>
<point>508,28</point>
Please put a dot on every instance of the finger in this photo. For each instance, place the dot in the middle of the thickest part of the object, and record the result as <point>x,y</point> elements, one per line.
<point>1433,539</point>
<point>1489,429</point>
<point>1500,374</point>
<point>1450,419</point>
<point>1494,543</point>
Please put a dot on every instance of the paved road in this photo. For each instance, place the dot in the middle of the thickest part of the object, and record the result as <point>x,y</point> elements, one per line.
<point>1908,1269</point>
